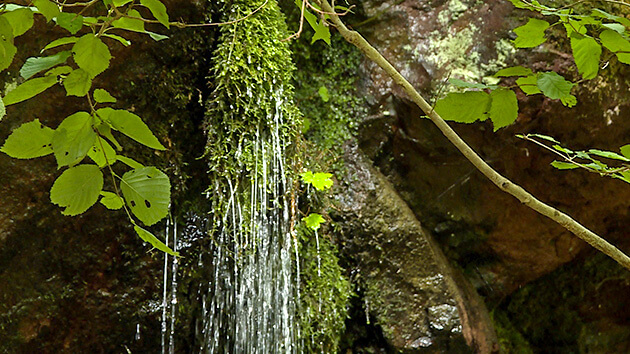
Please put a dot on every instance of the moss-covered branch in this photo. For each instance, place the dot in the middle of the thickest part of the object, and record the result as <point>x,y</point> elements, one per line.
<point>503,183</point>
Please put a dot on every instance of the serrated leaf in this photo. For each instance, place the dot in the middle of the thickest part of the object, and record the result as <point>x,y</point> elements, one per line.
<point>321,30</point>
<point>122,40</point>
<point>617,27</point>
<point>158,10</point>
<point>7,49</point>
<point>34,65</point>
<point>323,93</point>
<point>586,52</point>
<point>608,154</point>
<point>313,221</point>
<point>111,201</point>
<point>147,192</point>
<point>130,125</point>
<point>70,21</point>
<point>625,150</point>
<point>564,165</point>
<point>464,107</point>
<point>29,89</point>
<point>553,85</point>
<point>30,140</point>
<point>47,8</point>
<point>503,109</point>
<point>154,241</point>
<point>78,83</point>
<point>77,189</point>
<point>60,42</point>
<point>91,54</point>
<point>130,24</point>
<point>73,138</point>
<point>101,158</point>
<point>21,20</point>
<point>319,180</point>
<point>531,34</point>
<point>129,162</point>
<point>528,84</point>
<point>614,42</point>
<point>102,96</point>
<point>514,71</point>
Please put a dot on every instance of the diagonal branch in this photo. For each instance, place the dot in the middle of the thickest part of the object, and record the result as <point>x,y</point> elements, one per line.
<point>503,183</point>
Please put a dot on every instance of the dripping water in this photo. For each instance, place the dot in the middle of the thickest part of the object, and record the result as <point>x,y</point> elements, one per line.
<point>169,290</point>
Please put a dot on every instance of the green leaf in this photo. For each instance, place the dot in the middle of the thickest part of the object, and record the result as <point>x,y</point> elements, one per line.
<point>158,10</point>
<point>100,158</point>
<point>321,30</point>
<point>586,52</point>
<point>154,241</point>
<point>313,221</point>
<point>130,24</point>
<point>47,8</point>
<point>78,83</point>
<point>129,162</point>
<point>617,27</point>
<point>616,43</point>
<point>528,84</point>
<point>323,93</point>
<point>70,21</point>
<point>319,180</point>
<point>73,138</point>
<point>148,193</point>
<point>608,155</point>
<point>60,42</point>
<point>77,189</point>
<point>531,34</point>
<point>7,49</point>
<point>625,150</point>
<point>91,54</point>
<point>30,140</point>
<point>464,107</point>
<point>111,201</point>
<point>156,36</point>
<point>21,20</point>
<point>29,89</point>
<point>504,108</point>
<point>130,125</point>
<point>569,101</point>
<point>34,65</point>
<point>602,14</point>
<point>553,85</point>
<point>122,40</point>
<point>60,70</point>
<point>544,137</point>
<point>119,3</point>
<point>102,96</point>
<point>514,71</point>
<point>564,165</point>
<point>105,130</point>
<point>464,84</point>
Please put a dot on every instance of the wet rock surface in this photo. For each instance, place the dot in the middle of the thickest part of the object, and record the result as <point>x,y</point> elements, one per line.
<point>409,287</point>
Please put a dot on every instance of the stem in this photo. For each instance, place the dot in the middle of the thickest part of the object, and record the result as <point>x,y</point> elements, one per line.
<point>503,183</point>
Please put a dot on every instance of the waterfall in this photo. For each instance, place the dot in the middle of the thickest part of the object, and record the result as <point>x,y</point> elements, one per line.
<point>249,306</point>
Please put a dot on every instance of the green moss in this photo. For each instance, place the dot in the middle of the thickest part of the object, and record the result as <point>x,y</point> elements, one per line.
<point>324,294</point>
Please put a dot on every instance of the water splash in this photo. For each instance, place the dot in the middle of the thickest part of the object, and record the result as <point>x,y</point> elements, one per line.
<point>169,290</point>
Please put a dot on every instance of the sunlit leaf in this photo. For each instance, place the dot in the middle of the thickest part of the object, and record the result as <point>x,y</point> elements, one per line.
<point>29,89</point>
<point>7,49</point>
<point>531,34</point>
<point>102,159</point>
<point>514,71</point>
<point>78,83</point>
<point>102,96</point>
<point>564,165</point>
<point>111,200</point>
<point>129,162</point>
<point>60,42</point>
<point>147,192</point>
<point>130,125</point>
<point>319,180</point>
<point>608,154</point>
<point>586,52</point>
<point>503,109</point>
<point>47,8</point>
<point>158,10</point>
<point>625,150</point>
<point>464,107</point>
<point>323,93</point>
<point>73,138</point>
<point>553,85</point>
<point>154,241</point>
<point>70,21</point>
<point>313,221</point>
<point>30,140</point>
<point>21,20</point>
<point>77,189</point>
<point>122,40</point>
<point>91,54</point>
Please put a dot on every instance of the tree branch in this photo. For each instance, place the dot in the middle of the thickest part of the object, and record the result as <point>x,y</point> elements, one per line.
<point>503,183</point>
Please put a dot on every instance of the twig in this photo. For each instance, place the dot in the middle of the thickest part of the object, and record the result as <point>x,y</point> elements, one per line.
<point>503,183</point>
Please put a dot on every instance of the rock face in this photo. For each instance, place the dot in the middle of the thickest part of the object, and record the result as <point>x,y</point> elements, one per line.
<point>419,301</point>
